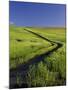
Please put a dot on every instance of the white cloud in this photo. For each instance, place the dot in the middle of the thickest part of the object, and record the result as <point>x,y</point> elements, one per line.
<point>11,22</point>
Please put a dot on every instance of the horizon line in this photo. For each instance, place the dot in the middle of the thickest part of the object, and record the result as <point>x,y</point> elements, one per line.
<point>40,26</point>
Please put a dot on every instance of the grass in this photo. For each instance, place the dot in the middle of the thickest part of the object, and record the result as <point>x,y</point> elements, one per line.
<point>50,71</point>
<point>51,33</point>
<point>22,41</point>
<point>55,64</point>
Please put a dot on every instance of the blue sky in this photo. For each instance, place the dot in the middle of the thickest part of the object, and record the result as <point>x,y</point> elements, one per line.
<point>36,14</point>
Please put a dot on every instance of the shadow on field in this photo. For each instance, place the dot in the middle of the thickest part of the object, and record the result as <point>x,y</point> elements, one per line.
<point>22,70</point>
